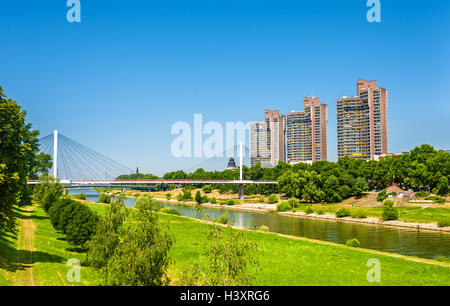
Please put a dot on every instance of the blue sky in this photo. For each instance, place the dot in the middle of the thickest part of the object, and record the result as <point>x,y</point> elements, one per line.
<point>117,81</point>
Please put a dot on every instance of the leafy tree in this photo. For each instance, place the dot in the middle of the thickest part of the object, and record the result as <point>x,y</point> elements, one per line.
<point>81,226</point>
<point>272,199</point>
<point>146,202</point>
<point>107,237</point>
<point>48,191</point>
<point>231,254</point>
<point>331,190</point>
<point>312,193</point>
<point>207,189</point>
<point>18,160</point>
<point>198,197</point>
<point>442,186</point>
<point>141,258</point>
<point>104,198</point>
<point>360,187</point>
<point>390,213</point>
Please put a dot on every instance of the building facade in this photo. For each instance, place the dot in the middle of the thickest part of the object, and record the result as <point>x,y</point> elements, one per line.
<point>306,132</point>
<point>267,139</point>
<point>259,146</point>
<point>362,122</point>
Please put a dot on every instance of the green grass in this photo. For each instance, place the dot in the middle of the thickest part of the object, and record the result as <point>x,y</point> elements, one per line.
<point>283,260</point>
<point>288,261</point>
<point>53,253</point>
<point>408,214</point>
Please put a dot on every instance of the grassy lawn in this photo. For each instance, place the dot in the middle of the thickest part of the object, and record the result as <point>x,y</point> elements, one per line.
<point>283,260</point>
<point>408,214</point>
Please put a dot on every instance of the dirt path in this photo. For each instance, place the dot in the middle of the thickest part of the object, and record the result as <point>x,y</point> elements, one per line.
<point>25,276</point>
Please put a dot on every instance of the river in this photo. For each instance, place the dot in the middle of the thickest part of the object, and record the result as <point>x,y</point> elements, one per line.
<point>425,244</point>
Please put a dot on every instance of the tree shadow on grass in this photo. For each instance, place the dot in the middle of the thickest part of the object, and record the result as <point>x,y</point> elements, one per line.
<point>76,249</point>
<point>13,260</point>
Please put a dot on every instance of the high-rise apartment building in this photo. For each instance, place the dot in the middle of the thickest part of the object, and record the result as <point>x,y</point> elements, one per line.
<point>306,132</point>
<point>267,139</point>
<point>362,122</point>
<point>259,144</point>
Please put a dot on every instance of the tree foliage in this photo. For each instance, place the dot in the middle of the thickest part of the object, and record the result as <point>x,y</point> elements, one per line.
<point>18,160</point>
<point>141,257</point>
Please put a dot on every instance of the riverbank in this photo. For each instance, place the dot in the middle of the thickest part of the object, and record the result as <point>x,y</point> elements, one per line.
<point>271,208</point>
<point>284,260</point>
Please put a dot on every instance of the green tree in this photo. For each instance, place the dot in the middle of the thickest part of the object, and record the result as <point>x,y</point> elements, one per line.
<point>48,191</point>
<point>107,236</point>
<point>141,258</point>
<point>442,186</point>
<point>390,213</point>
<point>198,197</point>
<point>231,254</point>
<point>331,190</point>
<point>311,193</point>
<point>360,187</point>
<point>81,226</point>
<point>147,202</point>
<point>18,150</point>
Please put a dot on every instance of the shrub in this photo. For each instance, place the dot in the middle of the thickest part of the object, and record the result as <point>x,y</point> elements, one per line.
<point>55,211</point>
<point>390,213</point>
<point>104,198</point>
<point>77,221</point>
<point>382,196</point>
<point>444,223</point>
<point>442,259</point>
<point>81,227</point>
<point>285,206</point>
<point>207,189</point>
<point>187,195</point>
<point>147,203</point>
<point>168,196</point>
<point>262,199</point>
<point>213,200</point>
<point>231,202</point>
<point>222,219</point>
<point>263,228</point>
<point>422,194</point>
<point>343,212</point>
<point>180,197</point>
<point>354,243</point>
<point>440,200</point>
<point>320,211</point>
<point>50,188</point>
<point>272,199</point>
<point>170,211</point>
<point>49,199</point>
<point>359,213</point>
<point>80,196</point>
<point>309,210</point>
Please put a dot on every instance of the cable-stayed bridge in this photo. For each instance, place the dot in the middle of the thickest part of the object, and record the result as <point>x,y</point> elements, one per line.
<point>77,165</point>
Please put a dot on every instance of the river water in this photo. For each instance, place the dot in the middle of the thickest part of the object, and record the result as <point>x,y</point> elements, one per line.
<point>425,244</point>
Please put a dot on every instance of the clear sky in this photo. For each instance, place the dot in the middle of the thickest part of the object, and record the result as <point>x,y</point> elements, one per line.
<point>117,81</point>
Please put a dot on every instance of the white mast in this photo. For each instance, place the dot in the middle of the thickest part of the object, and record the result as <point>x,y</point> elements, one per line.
<point>240,161</point>
<point>55,154</point>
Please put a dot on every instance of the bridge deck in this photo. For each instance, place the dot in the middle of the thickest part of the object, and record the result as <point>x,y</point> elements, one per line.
<point>113,182</point>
